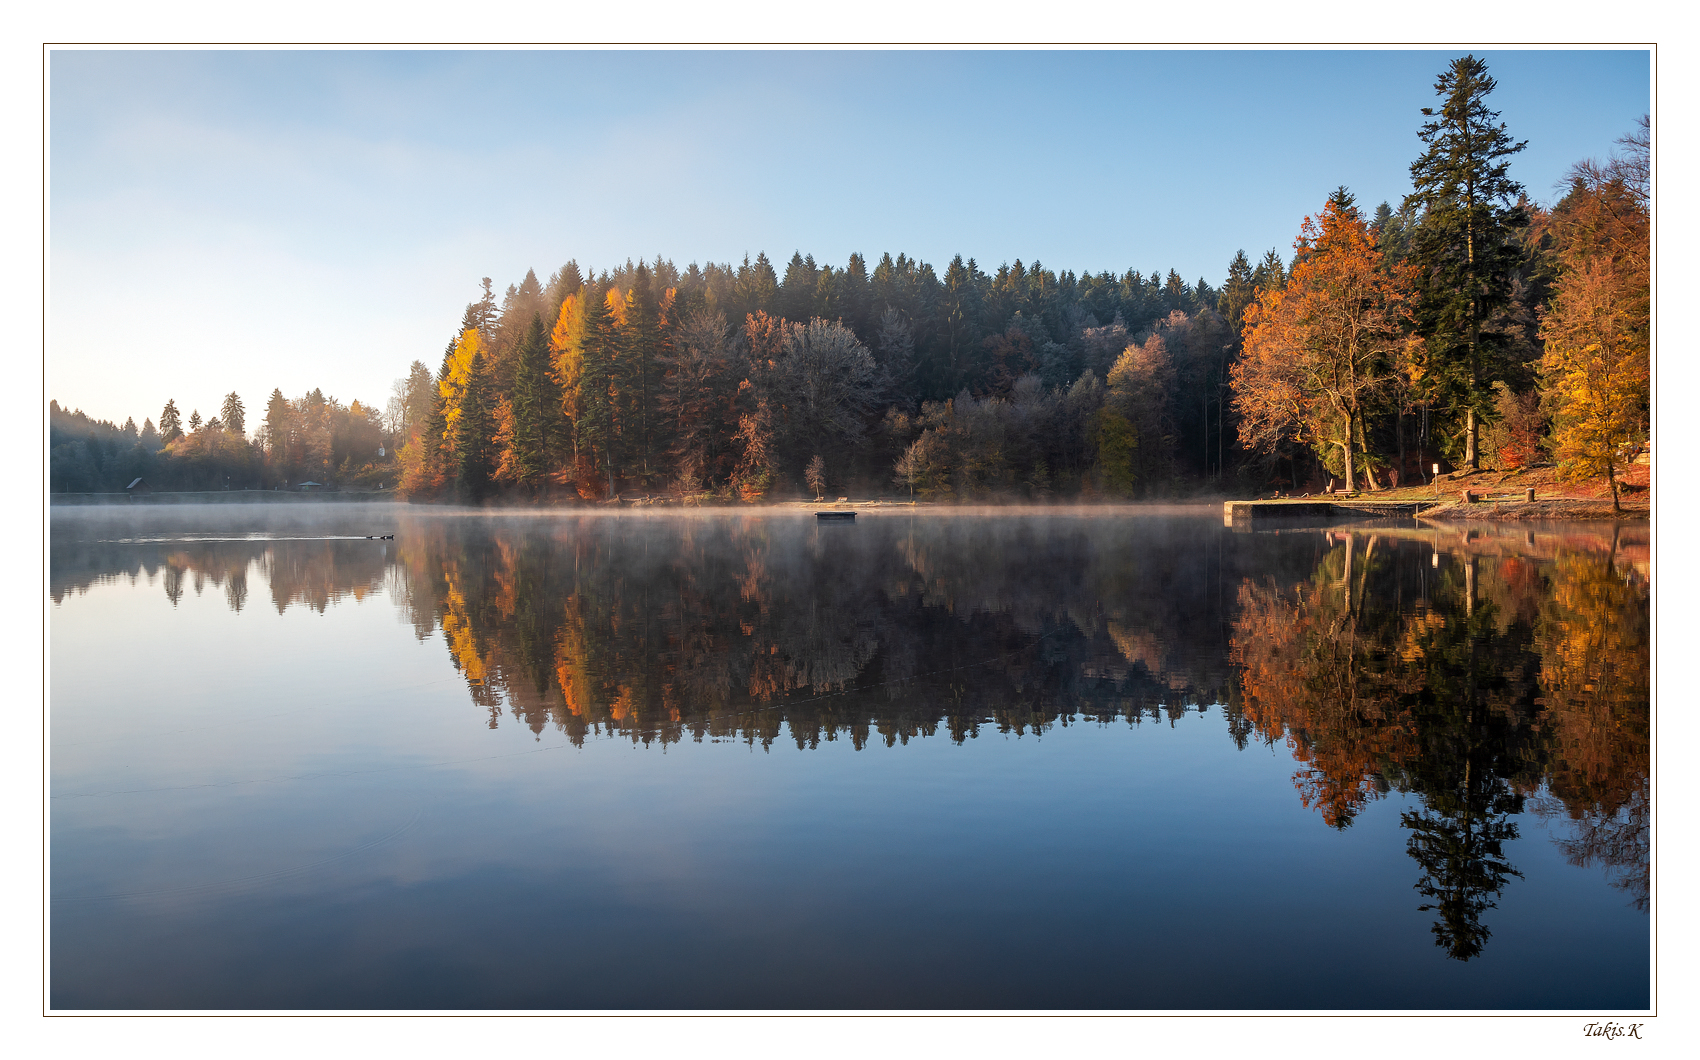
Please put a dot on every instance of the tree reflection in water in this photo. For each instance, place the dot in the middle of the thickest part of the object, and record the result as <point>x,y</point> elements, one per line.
<point>1482,677</point>
<point>742,628</point>
<point>1473,684</point>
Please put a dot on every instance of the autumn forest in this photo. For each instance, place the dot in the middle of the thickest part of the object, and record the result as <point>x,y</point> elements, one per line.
<point>1466,325</point>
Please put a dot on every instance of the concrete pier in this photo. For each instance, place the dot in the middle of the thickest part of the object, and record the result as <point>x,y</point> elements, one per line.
<point>1251,513</point>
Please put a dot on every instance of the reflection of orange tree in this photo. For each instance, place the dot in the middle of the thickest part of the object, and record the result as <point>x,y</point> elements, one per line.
<point>730,629</point>
<point>1375,689</point>
<point>1310,674</point>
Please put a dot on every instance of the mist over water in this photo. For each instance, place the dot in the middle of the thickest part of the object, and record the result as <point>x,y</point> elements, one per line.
<point>1006,758</point>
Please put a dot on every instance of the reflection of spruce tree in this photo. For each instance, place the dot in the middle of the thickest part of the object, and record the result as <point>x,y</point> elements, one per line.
<point>236,588</point>
<point>1439,702</point>
<point>1459,842</point>
<point>1475,727</point>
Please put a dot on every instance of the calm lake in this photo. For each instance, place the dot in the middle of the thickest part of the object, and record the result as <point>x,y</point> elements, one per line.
<point>1018,759</point>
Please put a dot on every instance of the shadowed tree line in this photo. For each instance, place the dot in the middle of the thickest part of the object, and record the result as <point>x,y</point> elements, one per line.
<point>313,438</point>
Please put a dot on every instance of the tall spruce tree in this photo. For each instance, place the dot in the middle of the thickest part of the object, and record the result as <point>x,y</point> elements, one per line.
<point>534,401</point>
<point>596,424</point>
<point>1464,245</point>
<point>475,431</point>
<point>1239,292</point>
<point>436,452</point>
<point>170,423</point>
<point>234,415</point>
<point>640,342</point>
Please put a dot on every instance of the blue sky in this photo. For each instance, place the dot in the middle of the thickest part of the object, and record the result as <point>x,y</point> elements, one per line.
<point>250,220</point>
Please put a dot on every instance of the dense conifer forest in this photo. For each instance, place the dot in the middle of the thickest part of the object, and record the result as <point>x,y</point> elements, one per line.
<point>1466,325</point>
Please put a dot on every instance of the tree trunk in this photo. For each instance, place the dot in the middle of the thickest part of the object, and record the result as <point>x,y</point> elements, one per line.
<point>1470,459</point>
<point>1399,432</point>
<point>1363,450</point>
<point>1346,446</point>
<point>1611,477</point>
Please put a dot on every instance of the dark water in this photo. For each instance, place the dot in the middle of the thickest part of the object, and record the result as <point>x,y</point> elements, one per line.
<point>1080,760</point>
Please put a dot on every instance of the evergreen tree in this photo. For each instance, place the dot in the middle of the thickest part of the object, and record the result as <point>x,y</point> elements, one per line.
<point>596,424</point>
<point>854,297</point>
<point>1176,294</point>
<point>640,341</point>
<point>170,423</point>
<point>416,404</point>
<point>1464,247</point>
<point>277,423</point>
<point>475,429</point>
<point>566,281</point>
<point>434,440</point>
<point>194,421</point>
<point>534,399</point>
<point>234,415</point>
<point>797,290</point>
<point>1270,274</point>
<point>1239,292</point>
<point>959,317</point>
<point>482,313</point>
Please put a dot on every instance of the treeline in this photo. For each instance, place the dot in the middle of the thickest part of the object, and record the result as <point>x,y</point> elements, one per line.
<point>312,438</point>
<point>1468,324</point>
<point>733,381</point>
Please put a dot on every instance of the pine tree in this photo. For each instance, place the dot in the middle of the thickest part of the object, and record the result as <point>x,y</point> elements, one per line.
<point>1176,294</point>
<point>797,290</point>
<point>276,430</point>
<point>1464,246</point>
<point>854,297</point>
<point>596,424</point>
<point>534,400</point>
<point>434,453</point>
<point>475,429</point>
<point>170,423</point>
<point>1240,291</point>
<point>234,415</point>
<point>1270,274</point>
<point>640,341</point>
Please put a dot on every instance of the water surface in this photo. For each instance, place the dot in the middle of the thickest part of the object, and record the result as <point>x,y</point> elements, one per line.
<point>1081,759</point>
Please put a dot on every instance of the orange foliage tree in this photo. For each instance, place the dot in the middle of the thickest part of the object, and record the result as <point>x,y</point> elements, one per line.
<point>1317,349</point>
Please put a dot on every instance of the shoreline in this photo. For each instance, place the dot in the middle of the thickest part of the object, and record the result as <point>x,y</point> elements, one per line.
<point>1235,512</point>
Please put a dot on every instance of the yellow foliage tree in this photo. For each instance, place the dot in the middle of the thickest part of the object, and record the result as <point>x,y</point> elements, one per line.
<point>1596,368</point>
<point>453,386</point>
<point>1596,331</point>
